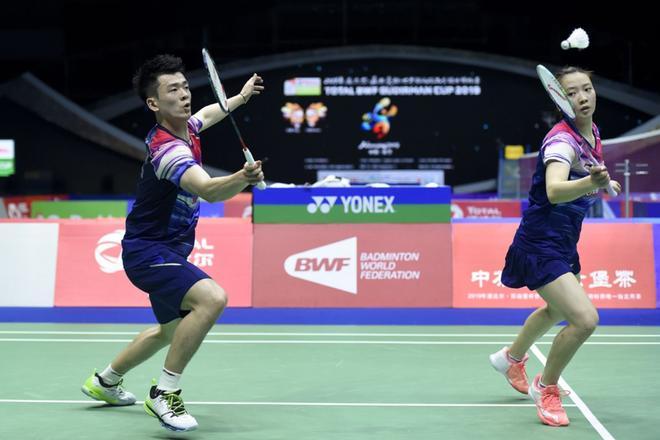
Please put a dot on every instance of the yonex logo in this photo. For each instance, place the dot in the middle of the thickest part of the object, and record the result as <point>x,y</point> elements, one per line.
<point>353,204</point>
<point>321,203</point>
<point>333,265</point>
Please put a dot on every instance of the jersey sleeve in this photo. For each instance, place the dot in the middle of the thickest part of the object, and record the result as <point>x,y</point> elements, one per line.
<point>171,160</point>
<point>558,149</point>
<point>195,124</point>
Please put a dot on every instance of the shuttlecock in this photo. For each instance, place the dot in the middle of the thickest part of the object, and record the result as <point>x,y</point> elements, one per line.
<point>577,40</point>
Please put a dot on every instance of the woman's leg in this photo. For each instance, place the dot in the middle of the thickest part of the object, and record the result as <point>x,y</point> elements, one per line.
<point>566,295</point>
<point>536,325</point>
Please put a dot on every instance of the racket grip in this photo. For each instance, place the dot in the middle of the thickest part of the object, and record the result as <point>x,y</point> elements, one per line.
<point>250,160</point>
<point>611,190</point>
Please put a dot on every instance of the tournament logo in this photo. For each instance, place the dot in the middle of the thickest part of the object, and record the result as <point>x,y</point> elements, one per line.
<point>378,120</point>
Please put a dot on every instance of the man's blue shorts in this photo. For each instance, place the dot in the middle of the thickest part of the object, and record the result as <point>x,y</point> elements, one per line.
<point>523,269</point>
<point>166,282</point>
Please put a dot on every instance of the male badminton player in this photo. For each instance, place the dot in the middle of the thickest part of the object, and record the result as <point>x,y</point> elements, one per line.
<point>160,233</point>
<point>543,256</point>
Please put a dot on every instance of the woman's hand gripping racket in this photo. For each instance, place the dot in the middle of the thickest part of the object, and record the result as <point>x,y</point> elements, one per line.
<point>221,97</point>
<point>558,96</point>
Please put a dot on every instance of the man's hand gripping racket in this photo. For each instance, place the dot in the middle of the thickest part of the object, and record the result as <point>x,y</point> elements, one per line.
<point>558,96</point>
<point>221,97</point>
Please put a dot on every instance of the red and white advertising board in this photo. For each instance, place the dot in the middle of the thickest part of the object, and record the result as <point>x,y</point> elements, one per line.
<point>90,271</point>
<point>616,258</point>
<point>239,206</point>
<point>352,265</point>
<point>468,208</point>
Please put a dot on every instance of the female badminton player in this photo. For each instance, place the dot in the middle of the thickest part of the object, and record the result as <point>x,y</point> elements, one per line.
<point>543,255</point>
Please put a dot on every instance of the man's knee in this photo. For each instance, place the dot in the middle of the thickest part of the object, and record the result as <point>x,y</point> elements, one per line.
<point>203,295</point>
<point>206,297</point>
<point>166,331</point>
<point>217,299</point>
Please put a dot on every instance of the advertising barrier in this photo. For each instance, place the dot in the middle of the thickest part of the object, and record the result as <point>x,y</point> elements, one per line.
<point>27,264</point>
<point>76,263</point>
<point>617,262</point>
<point>21,206</point>
<point>352,265</point>
<point>77,209</point>
<point>90,271</point>
<point>239,206</point>
<point>485,208</point>
<point>397,204</point>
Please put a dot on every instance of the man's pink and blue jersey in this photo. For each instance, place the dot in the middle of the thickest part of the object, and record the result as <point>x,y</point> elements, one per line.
<point>164,214</point>
<point>545,244</point>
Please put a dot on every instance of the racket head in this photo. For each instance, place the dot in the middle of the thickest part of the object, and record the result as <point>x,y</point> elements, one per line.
<point>556,91</point>
<point>214,79</point>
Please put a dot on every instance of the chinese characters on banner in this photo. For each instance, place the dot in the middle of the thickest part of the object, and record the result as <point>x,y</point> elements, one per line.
<point>90,271</point>
<point>617,266</point>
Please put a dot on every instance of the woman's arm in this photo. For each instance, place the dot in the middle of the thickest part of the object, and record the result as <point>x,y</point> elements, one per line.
<point>562,190</point>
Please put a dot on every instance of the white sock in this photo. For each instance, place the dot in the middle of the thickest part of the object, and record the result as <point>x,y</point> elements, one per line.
<point>169,380</point>
<point>110,376</point>
<point>514,359</point>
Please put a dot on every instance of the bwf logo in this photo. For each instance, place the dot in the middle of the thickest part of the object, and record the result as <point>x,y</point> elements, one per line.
<point>321,203</point>
<point>333,265</point>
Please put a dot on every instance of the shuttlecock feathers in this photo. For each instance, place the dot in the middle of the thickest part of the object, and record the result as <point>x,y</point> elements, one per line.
<point>577,40</point>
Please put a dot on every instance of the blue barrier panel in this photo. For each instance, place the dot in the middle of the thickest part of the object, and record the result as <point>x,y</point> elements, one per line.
<point>396,204</point>
<point>319,316</point>
<point>206,209</point>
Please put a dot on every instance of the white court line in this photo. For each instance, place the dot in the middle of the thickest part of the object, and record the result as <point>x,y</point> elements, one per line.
<point>584,409</point>
<point>362,404</point>
<point>368,335</point>
<point>316,341</point>
<point>270,341</point>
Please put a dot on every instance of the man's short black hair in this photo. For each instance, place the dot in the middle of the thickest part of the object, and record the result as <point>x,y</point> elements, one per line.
<point>145,80</point>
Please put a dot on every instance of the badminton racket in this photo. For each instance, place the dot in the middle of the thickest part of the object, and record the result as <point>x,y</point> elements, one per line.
<point>559,97</point>
<point>221,97</point>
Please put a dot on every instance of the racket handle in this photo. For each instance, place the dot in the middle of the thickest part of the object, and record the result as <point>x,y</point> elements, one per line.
<point>250,160</point>
<point>611,190</point>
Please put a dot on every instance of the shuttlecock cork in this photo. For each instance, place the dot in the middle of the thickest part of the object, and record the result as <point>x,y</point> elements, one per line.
<point>577,40</point>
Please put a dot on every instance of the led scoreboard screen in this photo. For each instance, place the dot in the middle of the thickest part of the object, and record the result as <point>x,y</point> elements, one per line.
<point>383,119</point>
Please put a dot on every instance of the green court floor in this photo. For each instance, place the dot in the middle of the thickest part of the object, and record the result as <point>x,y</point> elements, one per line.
<point>329,382</point>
